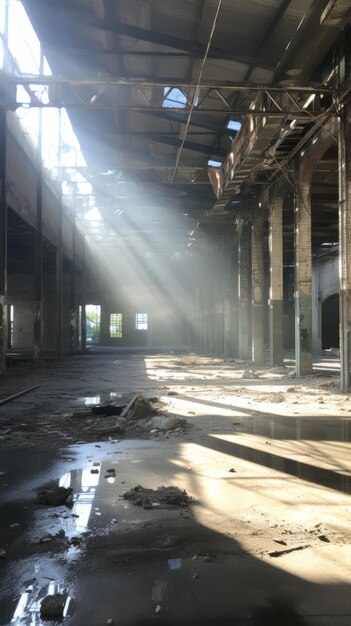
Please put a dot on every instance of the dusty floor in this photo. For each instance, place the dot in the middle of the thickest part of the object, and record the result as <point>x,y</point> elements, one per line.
<point>266,457</point>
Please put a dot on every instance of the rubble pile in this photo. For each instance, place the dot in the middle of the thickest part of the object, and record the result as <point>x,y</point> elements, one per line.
<point>164,497</point>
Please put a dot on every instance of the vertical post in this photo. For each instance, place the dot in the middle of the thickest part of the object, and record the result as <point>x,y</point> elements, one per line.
<point>84,278</point>
<point>258,285</point>
<point>345,247</point>
<point>59,256</point>
<point>244,291</point>
<point>303,277</point>
<point>73,295</point>
<point>276,280</point>
<point>3,245</point>
<point>38,261</point>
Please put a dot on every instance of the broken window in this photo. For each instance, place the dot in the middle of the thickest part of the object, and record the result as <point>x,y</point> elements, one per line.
<point>141,321</point>
<point>93,316</point>
<point>116,320</point>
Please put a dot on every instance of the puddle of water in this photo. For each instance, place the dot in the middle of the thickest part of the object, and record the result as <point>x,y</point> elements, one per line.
<point>27,612</point>
<point>101,398</point>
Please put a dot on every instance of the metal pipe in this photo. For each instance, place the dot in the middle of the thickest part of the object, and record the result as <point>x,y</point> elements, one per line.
<point>17,395</point>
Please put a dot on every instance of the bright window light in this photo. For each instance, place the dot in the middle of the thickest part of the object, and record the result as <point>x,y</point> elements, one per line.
<point>141,321</point>
<point>212,163</point>
<point>2,53</point>
<point>116,323</point>
<point>2,18</point>
<point>234,125</point>
<point>23,42</point>
<point>174,98</point>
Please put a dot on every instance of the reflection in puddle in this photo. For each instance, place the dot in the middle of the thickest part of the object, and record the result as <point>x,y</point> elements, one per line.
<point>84,484</point>
<point>27,611</point>
<point>94,400</point>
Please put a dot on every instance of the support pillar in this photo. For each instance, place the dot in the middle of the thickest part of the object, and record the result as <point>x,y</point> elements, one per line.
<point>84,278</point>
<point>244,291</point>
<point>345,247</point>
<point>59,260</point>
<point>38,261</point>
<point>276,314</point>
<point>303,277</point>
<point>258,285</point>
<point>3,246</point>
<point>73,297</point>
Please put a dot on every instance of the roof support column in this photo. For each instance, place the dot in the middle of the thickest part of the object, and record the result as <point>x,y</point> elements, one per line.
<point>303,275</point>
<point>345,246</point>
<point>59,258</point>
<point>244,290</point>
<point>276,280</point>
<point>3,246</point>
<point>73,297</point>
<point>38,261</point>
<point>84,296</point>
<point>257,251</point>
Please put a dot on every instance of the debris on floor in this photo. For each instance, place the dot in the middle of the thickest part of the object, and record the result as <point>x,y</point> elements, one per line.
<point>53,606</point>
<point>141,409</point>
<point>55,496</point>
<point>163,497</point>
<point>278,553</point>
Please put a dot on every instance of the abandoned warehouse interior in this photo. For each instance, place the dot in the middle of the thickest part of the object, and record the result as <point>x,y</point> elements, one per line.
<point>175,312</point>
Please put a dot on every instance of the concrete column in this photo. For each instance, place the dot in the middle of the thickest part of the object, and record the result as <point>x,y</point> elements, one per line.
<point>303,277</point>
<point>3,246</point>
<point>244,290</point>
<point>228,296</point>
<point>276,280</point>
<point>345,246</point>
<point>257,243</point>
<point>73,297</point>
<point>84,297</point>
<point>59,259</point>
<point>38,261</point>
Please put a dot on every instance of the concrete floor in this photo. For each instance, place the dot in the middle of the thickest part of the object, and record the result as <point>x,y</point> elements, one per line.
<point>287,440</point>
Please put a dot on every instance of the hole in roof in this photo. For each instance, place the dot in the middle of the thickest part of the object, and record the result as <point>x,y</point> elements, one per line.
<point>174,98</point>
<point>212,163</point>
<point>234,125</point>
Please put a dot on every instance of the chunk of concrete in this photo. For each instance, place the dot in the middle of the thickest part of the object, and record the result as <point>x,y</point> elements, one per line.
<point>53,606</point>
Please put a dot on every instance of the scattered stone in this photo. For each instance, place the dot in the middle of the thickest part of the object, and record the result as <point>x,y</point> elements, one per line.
<point>196,576</point>
<point>76,541</point>
<point>141,409</point>
<point>280,541</point>
<point>172,393</point>
<point>208,558</point>
<point>53,606</point>
<point>61,534</point>
<point>109,621</point>
<point>94,471</point>
<point>324,538</point>
<point>158,609</point>
<point>114,521</point>
<point>2,553</point>
<point>161,422</point>
<point>232,470</point>
<point>163,496</point>
<point>55,496</point>
<point>46,539</point>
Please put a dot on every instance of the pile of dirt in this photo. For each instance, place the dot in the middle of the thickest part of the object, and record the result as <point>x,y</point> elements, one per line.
<point>165,497</point>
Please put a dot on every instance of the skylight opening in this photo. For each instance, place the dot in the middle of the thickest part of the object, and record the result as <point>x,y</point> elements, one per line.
<point>174,98</point>
<point>212,163</point>
<point>234,125</point>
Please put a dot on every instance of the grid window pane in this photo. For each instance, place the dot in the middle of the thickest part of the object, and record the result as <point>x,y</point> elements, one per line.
<point>142,321</point>
<point>116,325</point>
